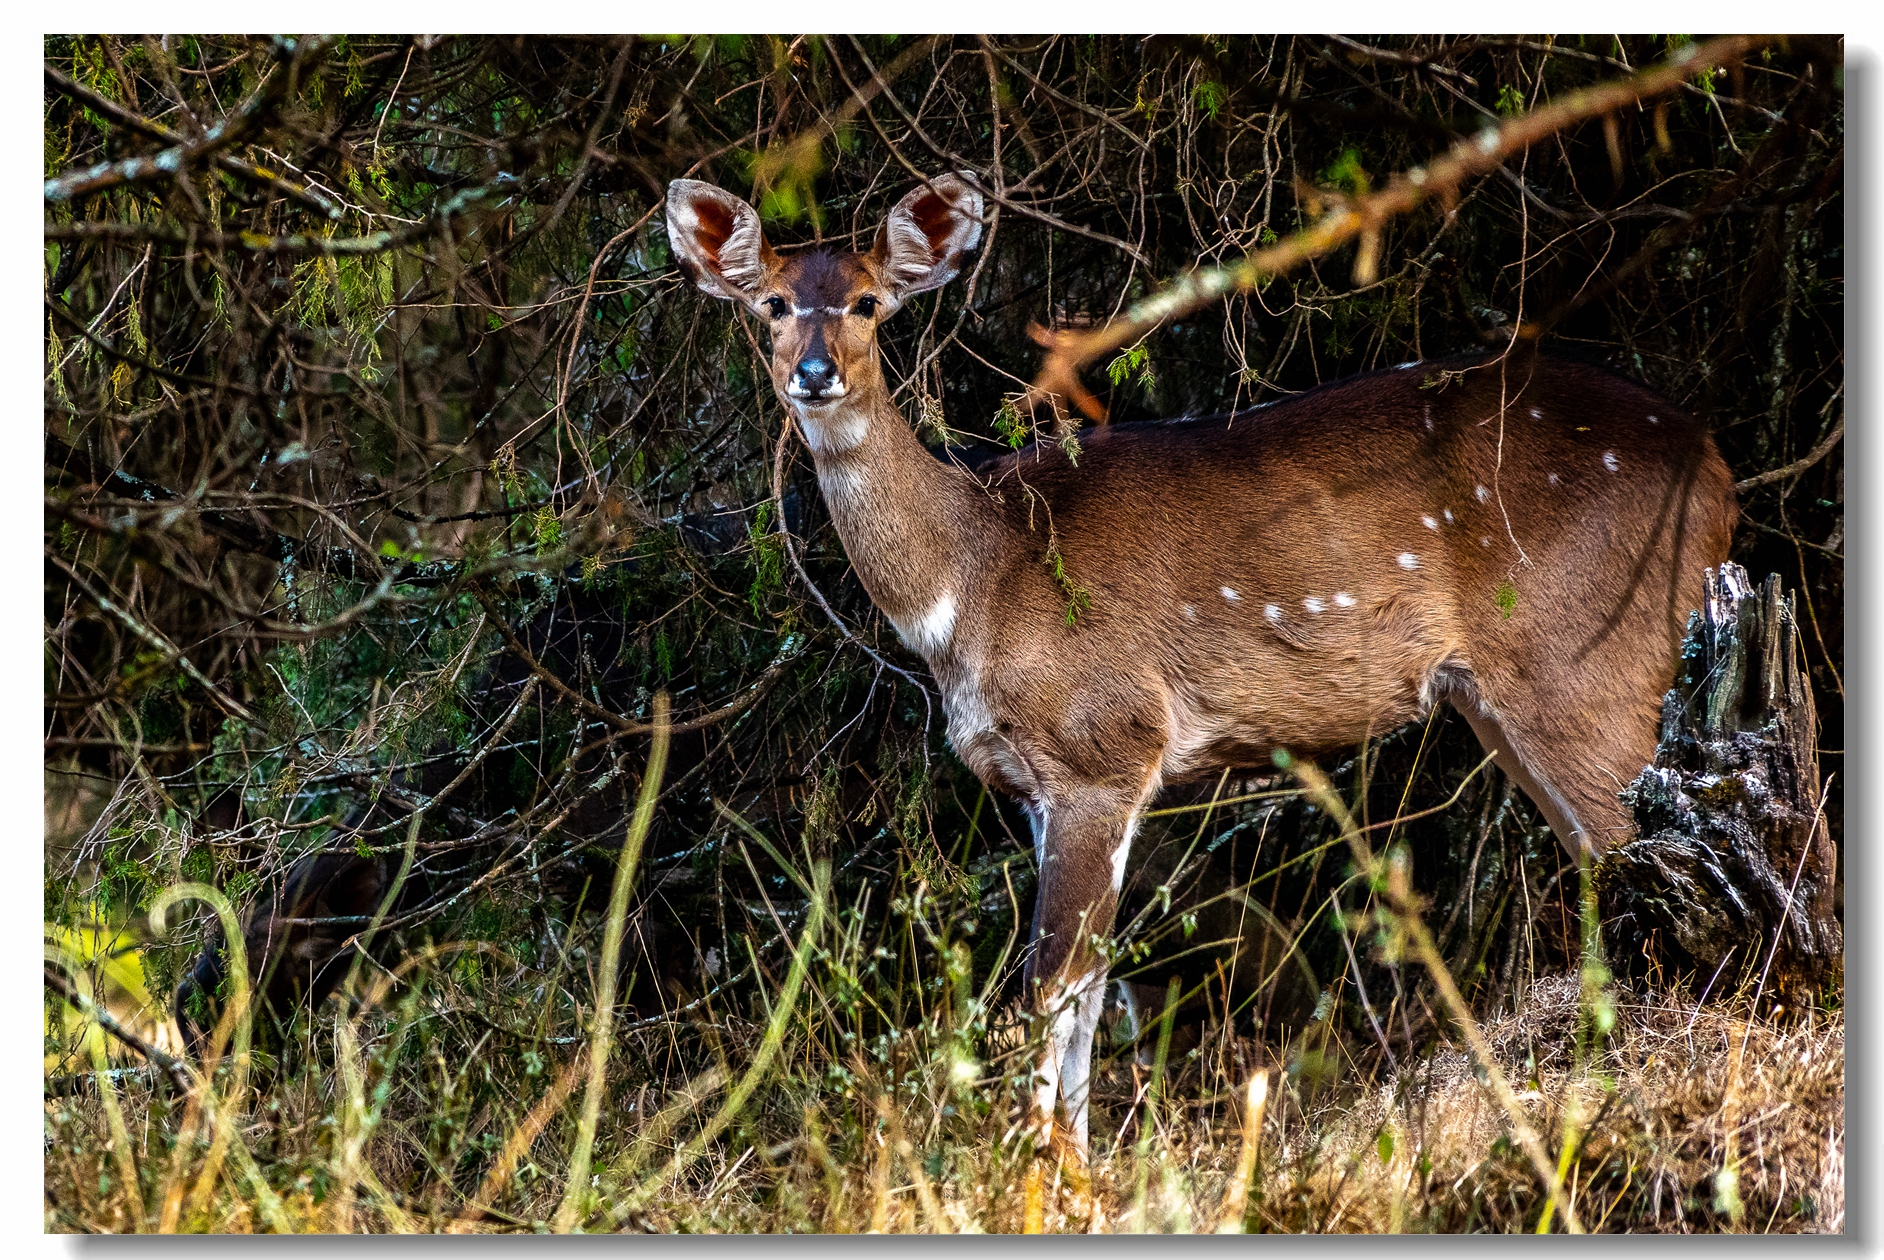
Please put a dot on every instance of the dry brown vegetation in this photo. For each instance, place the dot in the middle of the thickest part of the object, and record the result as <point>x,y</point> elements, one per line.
<point>1692,1118</point>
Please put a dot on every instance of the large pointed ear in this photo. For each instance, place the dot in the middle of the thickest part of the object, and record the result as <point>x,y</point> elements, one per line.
<point>921,244</point>
<point>717,240</point>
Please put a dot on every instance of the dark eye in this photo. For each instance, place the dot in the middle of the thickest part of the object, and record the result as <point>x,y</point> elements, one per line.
<point>775,307</point>
<point>866,306</point>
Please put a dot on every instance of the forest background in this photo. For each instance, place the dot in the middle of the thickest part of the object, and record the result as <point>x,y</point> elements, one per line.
<point>372,392</point>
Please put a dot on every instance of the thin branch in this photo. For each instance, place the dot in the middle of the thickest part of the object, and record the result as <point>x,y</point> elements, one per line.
<point>1798,466</point>
<point>178,1071</point>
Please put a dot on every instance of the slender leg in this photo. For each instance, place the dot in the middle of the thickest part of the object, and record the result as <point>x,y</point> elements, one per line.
<point>1083,840</point>
<point>1143,1004</point>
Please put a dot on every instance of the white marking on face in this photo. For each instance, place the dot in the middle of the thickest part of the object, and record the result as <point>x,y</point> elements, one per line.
<point>1483,494</point>
<point>1313,605</point>
<point>1554,479</point>
<point>1429,522</point>
<point>1409,561</point>
<point>1610,462</point>
<point>836,391</point>
<point>1229,594</point>
<point>1190,613</point>
<point>1536,414</point>
<point>1448,515</point>
<point>929,633</point>
<point>802,311</point>
<point>1343,600</point>
<point>835,310</point>
<point>1273,612</point>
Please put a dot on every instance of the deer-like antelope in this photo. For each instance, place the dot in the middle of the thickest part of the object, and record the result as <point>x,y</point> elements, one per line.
<point>1517,536</point>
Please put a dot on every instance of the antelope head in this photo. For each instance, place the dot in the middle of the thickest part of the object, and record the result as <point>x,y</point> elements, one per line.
<point>822,307</point>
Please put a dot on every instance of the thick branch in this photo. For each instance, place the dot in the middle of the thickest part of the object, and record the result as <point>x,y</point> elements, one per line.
<point>107,175</point>
<point>157,131</point>
<point>1363,217</point>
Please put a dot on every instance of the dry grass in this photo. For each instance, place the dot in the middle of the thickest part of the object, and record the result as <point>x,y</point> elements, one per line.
<point>1677,1094</point>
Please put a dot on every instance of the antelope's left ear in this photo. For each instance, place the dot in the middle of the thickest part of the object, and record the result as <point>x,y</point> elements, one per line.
<point>921,244</point>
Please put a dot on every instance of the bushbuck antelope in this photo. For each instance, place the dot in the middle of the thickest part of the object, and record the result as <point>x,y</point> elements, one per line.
<point>1517,536</point>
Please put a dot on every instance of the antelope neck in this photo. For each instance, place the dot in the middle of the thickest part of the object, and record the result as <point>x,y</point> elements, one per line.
<point>911,523</point>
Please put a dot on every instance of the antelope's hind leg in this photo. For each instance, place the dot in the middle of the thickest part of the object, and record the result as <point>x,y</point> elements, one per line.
<point>1571,750</point>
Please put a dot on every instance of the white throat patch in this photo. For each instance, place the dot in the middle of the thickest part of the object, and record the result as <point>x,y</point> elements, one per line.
<point>833,429</point>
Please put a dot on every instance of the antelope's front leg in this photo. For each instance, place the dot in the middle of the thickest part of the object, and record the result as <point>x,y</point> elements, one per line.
<point>1081,841</point>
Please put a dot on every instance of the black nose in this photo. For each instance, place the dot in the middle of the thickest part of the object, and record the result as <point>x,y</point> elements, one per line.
<point>816,374</point>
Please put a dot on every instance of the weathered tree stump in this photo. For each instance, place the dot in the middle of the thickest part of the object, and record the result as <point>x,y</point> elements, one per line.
<point>1733,860</point>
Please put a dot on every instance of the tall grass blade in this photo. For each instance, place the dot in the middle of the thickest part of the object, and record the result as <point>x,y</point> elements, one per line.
<point>576,1194</point>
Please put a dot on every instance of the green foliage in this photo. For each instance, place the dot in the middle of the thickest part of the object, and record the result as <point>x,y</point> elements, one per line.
<point>1132,363</point>
<point>768,558</point>
<point>1346,172</point>
<point>1505,599</point>
<point>1209,97</point>
<point>1077,598</point>
<point>1010,426</point>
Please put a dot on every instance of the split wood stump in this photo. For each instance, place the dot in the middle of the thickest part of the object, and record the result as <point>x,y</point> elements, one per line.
<point>1732,880</point>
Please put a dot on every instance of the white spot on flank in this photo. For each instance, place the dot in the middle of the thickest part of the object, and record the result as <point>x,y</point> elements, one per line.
<point>1484,540</point>
<point>1273,612</point>
<point>930,632</point>
<point>1610,462</point>
<point>1536,414</point>
<point>1448,516</point>
<point>1554,479</point>
<point>1190,612</point>
<point>1429,522</point>
<point>1411,363</point>
<point>1409,561</point>
<point>1653,420</point>
<point>1313,605</point>
<point>1429,417</point>
<point>1229,594</point>
<point>1483,494</point>
<point>1343,599</point>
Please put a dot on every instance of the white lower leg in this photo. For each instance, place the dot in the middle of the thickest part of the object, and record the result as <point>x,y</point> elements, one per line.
<point>1085,1005</point>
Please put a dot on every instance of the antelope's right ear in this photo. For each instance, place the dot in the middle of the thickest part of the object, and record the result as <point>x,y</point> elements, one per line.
<point>717,240</point>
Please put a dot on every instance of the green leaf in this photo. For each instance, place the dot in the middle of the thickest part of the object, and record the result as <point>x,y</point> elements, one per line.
<point>1506,599</point>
